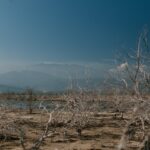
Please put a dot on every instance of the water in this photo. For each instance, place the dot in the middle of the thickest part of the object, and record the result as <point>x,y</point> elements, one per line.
<point>50,105</point>
<point>24,104</point>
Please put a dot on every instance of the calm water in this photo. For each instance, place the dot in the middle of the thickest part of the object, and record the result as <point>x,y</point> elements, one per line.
<point>23,104</point>
<point>50,105</point>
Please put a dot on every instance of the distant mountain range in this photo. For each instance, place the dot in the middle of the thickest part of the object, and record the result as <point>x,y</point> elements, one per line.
<point>54,77</point>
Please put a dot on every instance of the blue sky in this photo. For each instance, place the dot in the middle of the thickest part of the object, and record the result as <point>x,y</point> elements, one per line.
<point>69,30</point>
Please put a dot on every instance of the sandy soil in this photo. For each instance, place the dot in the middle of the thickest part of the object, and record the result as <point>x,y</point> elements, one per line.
<point>103,132</point>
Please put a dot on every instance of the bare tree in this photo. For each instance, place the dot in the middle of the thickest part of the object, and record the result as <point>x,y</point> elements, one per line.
<point>80,106</point>
<point>138,72</point>
<point>46,133</point>
<point>30,97</point>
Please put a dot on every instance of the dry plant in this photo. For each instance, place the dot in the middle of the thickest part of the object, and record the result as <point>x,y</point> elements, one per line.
<point>8,128</point>
<point>136,68</point>
<point>80,106</point>
<point>11,129</point>
<point>46,133</point>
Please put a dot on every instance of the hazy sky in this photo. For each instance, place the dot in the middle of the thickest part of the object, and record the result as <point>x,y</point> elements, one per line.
<point>69,30</point>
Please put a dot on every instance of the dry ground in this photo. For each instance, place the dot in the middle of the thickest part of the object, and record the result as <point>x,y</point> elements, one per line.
<point>103,132</point>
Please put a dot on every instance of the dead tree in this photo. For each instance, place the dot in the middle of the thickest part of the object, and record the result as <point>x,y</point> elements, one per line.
<point>138,75</point>
<point>79,107</point>
<point>46,133</point>
<point>30,97</point>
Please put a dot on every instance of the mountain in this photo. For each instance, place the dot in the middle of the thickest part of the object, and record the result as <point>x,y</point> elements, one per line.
<point>56,77</point>
<point>32,79</point>
<point>79,71</point>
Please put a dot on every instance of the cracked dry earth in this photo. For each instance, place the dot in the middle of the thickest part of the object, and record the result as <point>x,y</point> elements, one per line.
<point>103,132</point>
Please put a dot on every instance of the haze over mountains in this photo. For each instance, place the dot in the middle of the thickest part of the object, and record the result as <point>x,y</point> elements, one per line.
<point>54,76</point>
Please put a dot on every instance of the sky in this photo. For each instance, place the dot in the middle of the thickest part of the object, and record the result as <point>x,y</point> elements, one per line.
<point>69,30</point>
